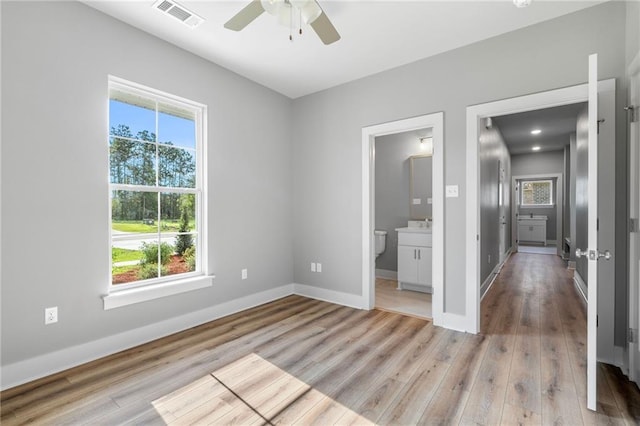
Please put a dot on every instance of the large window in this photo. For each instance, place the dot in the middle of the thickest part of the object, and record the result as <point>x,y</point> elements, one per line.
<point>536,193</point>
<point>156,185</point>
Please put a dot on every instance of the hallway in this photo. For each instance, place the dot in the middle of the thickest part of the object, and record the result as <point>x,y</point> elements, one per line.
<point>536,324</point>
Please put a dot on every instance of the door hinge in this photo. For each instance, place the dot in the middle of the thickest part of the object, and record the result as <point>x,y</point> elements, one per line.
<point>633,112</point>
<point>631,335</point>
<point>477,237</point>
<point>597,224</point>
<point>597,320</point>
<point>633,224</point>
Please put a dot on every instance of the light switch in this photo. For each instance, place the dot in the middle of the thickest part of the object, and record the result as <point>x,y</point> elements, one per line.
<point>416,201</point>
<point>451,191</point>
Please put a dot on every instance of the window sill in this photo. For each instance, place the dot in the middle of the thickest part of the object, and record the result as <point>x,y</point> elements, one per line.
<point>142,294</point>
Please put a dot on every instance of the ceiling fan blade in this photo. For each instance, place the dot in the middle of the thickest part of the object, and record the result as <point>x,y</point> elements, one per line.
<point>325,29</point>
<point>245,16</point>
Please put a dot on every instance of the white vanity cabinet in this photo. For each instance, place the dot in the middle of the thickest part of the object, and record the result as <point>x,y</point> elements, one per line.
<point>532,229</point>
<point>414,259</point>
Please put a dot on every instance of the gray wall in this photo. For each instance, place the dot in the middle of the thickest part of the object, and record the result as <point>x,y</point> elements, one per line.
<point>55,200</point>
<point>632,30</point>
<point>493,155</point>
<point>392,154</point>
<point>540,163</point>
<point>327,127</point>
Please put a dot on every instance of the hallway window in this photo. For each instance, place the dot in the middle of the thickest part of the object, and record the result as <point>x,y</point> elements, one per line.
<point>536,193</point>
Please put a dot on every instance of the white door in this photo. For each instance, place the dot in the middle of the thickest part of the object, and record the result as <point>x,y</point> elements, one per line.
<point>634,213</point>
<point>592,252</point>
<point>424,266</point>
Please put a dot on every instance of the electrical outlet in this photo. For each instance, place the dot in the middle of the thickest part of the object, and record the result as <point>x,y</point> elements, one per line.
<point>313,267</point>
<point>51,315</point>
<point>318,267</point>
<point>244,274</point>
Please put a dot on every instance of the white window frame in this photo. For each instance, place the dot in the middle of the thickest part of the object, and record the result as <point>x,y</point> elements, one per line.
<point>142,290</point>
<point>549,181</point>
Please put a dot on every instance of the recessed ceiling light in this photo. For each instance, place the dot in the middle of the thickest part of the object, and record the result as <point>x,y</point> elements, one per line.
<point>522,3</point>
<point>535,148</point>
<point>536,132</point>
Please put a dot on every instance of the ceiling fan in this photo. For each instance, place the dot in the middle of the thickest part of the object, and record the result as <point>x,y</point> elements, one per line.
<point>309,10</point>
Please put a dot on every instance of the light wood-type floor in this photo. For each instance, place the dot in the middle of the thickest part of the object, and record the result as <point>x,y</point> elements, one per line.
<point>389,298</point>
<point>301,361</point>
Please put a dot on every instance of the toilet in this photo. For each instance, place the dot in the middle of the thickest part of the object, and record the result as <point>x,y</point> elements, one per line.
<point>381,241</point>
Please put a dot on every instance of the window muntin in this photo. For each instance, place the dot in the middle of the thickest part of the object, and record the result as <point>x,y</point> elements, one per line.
<point>156,186</point>
<point>536,193</point>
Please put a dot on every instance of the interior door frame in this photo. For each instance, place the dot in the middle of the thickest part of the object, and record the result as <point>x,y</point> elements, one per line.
<point>475,115</point>
<point>559,198</point>
<point>369,133</point>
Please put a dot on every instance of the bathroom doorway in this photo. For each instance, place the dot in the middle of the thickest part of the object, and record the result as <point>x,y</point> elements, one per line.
<point>425,127</point>
<point>403,167</point>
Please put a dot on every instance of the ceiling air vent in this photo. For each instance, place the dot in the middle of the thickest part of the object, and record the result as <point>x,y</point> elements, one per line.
<point>179,12</point>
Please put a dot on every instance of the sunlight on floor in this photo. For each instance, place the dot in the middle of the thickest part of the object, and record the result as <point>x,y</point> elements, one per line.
<point>247,391</point>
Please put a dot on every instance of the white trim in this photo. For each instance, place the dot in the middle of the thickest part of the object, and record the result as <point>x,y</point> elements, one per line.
<point>40,366</point>
<point>331,296</point>
<point>130,296</point>
<point>436,122</point>
<point>385,274</point>
<point>553,98</point>
<point>455,322</point>
<point>580,285</point>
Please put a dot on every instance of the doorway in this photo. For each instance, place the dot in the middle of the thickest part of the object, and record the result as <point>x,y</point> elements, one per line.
<point>476,117</point>
<point>403,202</point>
<point>434,122</point>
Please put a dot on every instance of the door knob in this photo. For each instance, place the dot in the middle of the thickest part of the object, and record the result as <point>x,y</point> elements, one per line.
<point>593,254</point>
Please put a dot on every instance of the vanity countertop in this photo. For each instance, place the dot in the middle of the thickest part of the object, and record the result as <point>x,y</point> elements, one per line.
<point>415,230</point>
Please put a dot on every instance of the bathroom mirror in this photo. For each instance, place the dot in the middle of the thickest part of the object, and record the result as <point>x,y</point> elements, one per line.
<point>420,187</point>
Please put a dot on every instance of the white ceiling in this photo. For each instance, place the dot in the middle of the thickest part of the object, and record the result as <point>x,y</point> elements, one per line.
<point>556,125</point>
<point>376,36</point>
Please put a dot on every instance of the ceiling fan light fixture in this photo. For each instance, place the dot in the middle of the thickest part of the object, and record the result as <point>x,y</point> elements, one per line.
<point>309,10</point>
<point>284,14</point>
<point>272,7</point>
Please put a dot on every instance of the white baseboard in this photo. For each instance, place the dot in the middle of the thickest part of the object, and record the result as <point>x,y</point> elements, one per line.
<point>454,322</point>
<point>580,285</point>
<point>332,296</point>
<point>386,274</point>
<point>486,285</point>
<point>41,366</point>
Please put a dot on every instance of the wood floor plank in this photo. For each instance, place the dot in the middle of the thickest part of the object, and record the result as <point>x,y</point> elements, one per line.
<point>559,399</point>
<point>448,403</point>
<point>298,360</point>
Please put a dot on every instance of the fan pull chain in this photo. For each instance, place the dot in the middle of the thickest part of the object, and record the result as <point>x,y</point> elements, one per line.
<point>300,20</point>
<point>291,24</point>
